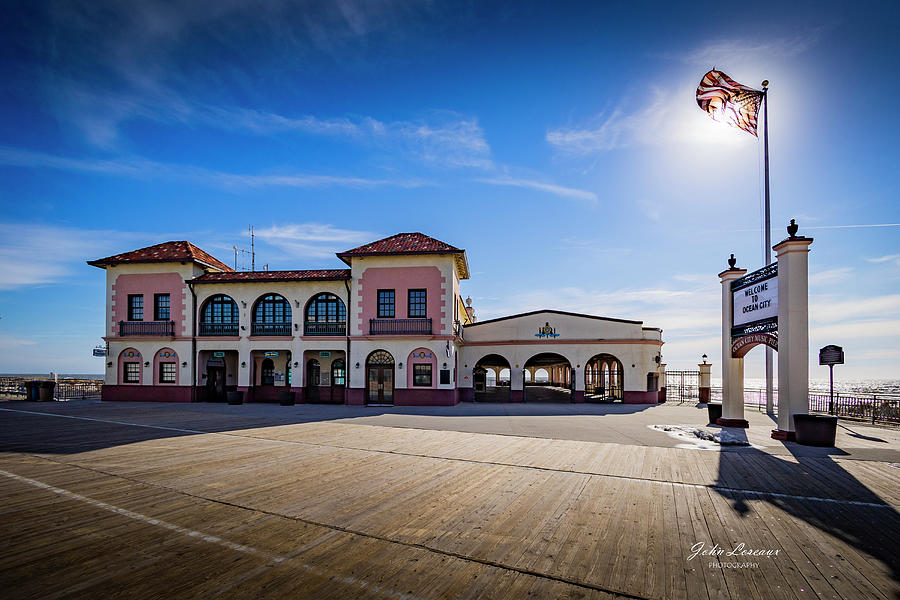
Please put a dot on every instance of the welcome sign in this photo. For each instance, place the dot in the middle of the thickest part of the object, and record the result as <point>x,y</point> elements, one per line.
<point>755,299</point>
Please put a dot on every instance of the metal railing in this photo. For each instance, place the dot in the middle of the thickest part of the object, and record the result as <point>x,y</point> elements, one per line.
<point>157,328</point>
<point>218,329</point>
<point>270,329</point>
<point>334,328</point>
<point>876,410</point>
<point>400,326</point>
<point>65,389</point>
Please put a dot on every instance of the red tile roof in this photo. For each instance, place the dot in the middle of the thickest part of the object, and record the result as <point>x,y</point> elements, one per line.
<point>250,276</point>
<point>408,243</point>
<point>166,252</point>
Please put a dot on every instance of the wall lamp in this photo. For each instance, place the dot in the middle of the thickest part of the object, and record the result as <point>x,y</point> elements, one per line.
<point>296,327</point>
<point>297,303</point>
<point>357,365</point>
<point>296,364</point>
<point>400,365</point>
<point>243,304</point>
<point>184,363</point>
<point>445,366</point>
<point>109,364</point>
<point>146,363</point>
<point>243,363</point>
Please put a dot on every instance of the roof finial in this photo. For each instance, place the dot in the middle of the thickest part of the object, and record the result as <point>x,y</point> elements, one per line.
<point>732,261</point>
<point>792,228</point>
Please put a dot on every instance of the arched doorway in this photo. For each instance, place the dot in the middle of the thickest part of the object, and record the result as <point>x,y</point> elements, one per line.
<point>267,372</point>
<point>380,378</point>
<point>490,379</point>
<point>604,378</point>
<point>313,373</point>
<point>560,385</point>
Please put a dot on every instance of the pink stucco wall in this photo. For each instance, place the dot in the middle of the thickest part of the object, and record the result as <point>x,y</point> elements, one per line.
<point>416,357</point>
<point>401,280</point>
<point>149,284</point>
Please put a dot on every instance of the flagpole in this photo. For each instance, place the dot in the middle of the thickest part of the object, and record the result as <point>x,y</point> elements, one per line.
<point>770,400</point>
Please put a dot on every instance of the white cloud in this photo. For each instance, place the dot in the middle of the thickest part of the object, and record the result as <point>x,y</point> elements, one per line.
<point>141,168</point>
<point>830,276</point>
<point>660,117</point>
<point>556,190</point>
<point>316,240</point>
<point>731,51</point>
<point>42,254</point>
<point>828,309</point>
<point>894,258</point>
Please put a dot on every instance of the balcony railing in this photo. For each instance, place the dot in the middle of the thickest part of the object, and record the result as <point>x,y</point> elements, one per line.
<point>157,328</point>
<point>337,328</point>
<point>270,329</point>
<point>399,326</point>
<point>219,329</point>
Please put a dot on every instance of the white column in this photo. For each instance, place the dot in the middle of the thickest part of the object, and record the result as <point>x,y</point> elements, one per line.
<point>793,332</point>
<point>705,380</point>
<point>732,368</point>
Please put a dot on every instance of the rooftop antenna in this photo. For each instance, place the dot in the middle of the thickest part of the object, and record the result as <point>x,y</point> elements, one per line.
<point>245,258</point>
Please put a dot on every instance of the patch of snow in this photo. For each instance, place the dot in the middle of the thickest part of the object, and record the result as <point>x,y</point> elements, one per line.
<point>702,438</point>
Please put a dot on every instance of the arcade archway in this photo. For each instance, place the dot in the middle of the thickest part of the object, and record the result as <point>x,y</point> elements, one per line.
<point>603,379</point>
<point>560,385</point>
<point>487,379</point>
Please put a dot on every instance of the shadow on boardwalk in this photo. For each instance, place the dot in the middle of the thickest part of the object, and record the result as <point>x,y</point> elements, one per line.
<point>75,430</point>
<point>820,492</point>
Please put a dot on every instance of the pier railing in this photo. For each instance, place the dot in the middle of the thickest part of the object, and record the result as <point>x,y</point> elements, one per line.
<point>14,388</point>
<point>876,409</point>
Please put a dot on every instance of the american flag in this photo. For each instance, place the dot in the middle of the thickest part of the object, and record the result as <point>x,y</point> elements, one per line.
<point>728,101</point>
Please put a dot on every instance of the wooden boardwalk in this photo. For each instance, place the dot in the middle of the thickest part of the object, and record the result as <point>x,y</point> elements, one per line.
<point>92,508</point>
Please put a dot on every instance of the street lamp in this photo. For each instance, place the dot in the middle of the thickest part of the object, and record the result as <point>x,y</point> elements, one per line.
<point>704,359</point>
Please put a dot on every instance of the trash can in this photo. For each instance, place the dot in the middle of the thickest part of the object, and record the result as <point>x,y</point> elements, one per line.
<point>815,430</point>
<point>286,398</point>
<point>46,390</point>
<point>32,388</point>
<point>236,397</point>
<point>714,410</point>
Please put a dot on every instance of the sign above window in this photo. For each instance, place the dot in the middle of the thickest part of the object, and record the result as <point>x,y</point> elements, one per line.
<point>218,355</point>
<point>271,354</point>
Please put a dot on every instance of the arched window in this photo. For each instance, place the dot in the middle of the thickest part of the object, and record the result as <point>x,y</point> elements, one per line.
<point>325,315</point>
<point>219,316</point>
<point>272,316</point>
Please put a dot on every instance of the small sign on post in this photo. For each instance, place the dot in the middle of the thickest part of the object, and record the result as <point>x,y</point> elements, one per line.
<point>831,355</point>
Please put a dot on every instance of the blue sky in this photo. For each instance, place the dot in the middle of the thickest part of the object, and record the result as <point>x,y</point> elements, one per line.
<point>558,143</point>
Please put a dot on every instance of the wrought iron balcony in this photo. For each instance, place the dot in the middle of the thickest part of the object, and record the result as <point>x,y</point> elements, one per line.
<point>270,329</point>
<point>334,328</point>
<point>156,328</point>
<point>219,329</point>
<point>399,326</point>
